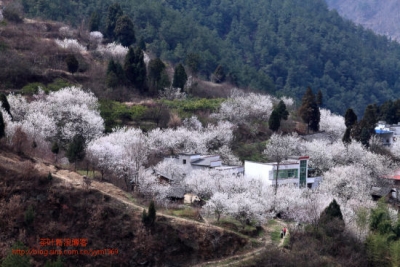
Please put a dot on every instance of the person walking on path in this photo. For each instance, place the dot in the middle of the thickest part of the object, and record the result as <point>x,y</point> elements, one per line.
<point>284,231</point>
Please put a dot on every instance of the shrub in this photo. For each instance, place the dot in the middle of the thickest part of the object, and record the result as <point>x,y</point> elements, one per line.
<point>29,215</point>
<point>13,260</point>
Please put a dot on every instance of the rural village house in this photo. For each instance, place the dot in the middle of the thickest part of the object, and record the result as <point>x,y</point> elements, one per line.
<point>291,171</point>
<point>387,133</point>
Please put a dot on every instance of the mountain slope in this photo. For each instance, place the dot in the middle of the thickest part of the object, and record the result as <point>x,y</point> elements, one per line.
<point>103,215</point>
<point>278,46</point>
<point>382,17</point>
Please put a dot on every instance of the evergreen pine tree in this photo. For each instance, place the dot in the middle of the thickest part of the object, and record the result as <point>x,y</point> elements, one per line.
<point>274,121</point>
<point>193,63</point>
<point>350,118</point>
<point>331,219</point>
<point>142,44</point>
<point>14,260</point>
<point>219,75</point>
<point>140,69</point>
<point>135,68</point>
<point>180,77</point>
<point>49,176</point>
<point>309,111</point>
<point>124,31</point>
<point>282,111</point>
<point>2,126</point>
<point>156,77</point>
<point>5,104</point>
<point>145,218</point>
<point>333,211</point>
<point>152,213</point>
<point>55,149</point>
<point>346,137</point>
<point>111,67</point>
<point>112,80</point>
<point>114,12</point>
<point>72,63</point>
<point>370,118</point>
<point>319,98</point>
<point>129,65</point>
<point>76,150</point>
<point>365,136</point>
<point>94,22</point>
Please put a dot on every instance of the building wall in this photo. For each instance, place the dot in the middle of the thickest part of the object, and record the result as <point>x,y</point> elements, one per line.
<point>258,171</point>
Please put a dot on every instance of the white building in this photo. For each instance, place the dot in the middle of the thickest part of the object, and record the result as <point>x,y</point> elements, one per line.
<point>387,133</point>
<point>291,171</point>
<point>197,161</point>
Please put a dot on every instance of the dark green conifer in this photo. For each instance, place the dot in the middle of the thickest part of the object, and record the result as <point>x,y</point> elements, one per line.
<point>350,118</point>
<point>346,137</point>
<point>157,76</point>
<point>2,126</point>
<point>72,63</point>
<point>219,75</point>
<point>76,149</point>
<point>180,77</point>
<point>309,111</point>
<point>114,12</point>
<point>152,213</point>
<point>4,103</point>
<point>274,121</point>
<point>319,98</point>
<point>94,23</point>
<point>124,31</point>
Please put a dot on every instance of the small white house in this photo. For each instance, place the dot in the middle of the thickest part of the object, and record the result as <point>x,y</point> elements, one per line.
<point>197,161</point>
<point>387,133</point>
<point>291,171</point>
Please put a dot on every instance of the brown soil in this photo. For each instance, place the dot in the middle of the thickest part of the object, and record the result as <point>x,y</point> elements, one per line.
<point>104,215</point>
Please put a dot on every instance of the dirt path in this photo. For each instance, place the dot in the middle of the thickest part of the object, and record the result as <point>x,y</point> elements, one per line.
<point>74,179</point>
<point>237,260</point>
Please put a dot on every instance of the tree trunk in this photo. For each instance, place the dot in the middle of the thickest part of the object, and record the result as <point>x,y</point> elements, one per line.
<point>276,178</point>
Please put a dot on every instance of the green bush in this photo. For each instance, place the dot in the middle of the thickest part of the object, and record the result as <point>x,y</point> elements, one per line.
<point>57,84</point>
<point>32,88</point>
<point>16,260</point>
<point>116,114</point>
<point>57,263</point>
<point>189,106</point>
<point>29,215</point>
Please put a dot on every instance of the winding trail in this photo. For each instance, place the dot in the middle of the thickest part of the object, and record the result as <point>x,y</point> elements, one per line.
<point>73,179</point>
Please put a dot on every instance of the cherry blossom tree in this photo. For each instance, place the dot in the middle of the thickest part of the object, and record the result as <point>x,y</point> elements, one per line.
<point>332,124</point>
<point>113,51</point>
<point>58,116</point>
<point>279,148</point>
<point>70,44</point>
<point>96,37</point>
<point>241,107</point>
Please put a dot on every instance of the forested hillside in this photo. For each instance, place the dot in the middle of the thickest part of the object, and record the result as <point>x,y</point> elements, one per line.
<point>276,46</point>
<point>380,16</point>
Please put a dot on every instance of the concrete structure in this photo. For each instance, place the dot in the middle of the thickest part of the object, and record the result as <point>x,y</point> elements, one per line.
<point>197,162</point>
<point>387,133</point>
<point>291,171</point>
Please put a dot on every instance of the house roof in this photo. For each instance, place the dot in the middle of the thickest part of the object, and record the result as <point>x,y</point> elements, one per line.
<point>176,192</point>
<point>380,191</point>
<point>285,162</point>
<point>382,131</point>
<point>394,176</point>
<point>206,160</point>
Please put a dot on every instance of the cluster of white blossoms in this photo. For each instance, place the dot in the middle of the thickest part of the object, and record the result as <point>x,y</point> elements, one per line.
<point>70,44</point>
